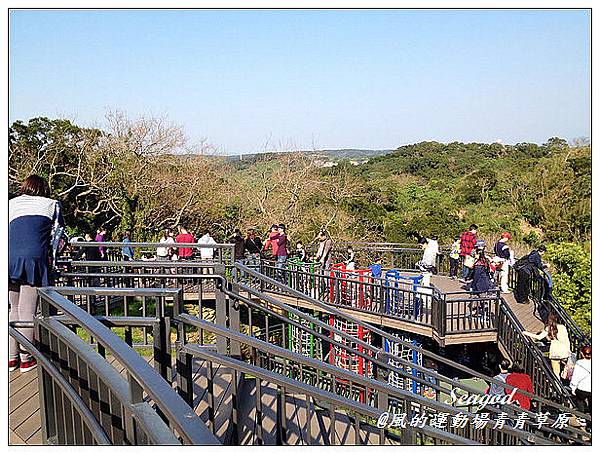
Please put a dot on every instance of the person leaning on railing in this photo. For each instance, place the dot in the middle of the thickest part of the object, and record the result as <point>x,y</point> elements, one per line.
<point>528,268</point>
<point>165,253</point>
<point>35,221</point>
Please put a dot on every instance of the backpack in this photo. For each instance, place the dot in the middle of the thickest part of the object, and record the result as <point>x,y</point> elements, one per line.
<point>522,263</point>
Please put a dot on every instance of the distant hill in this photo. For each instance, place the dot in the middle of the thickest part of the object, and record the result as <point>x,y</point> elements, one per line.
<point>335,155</point>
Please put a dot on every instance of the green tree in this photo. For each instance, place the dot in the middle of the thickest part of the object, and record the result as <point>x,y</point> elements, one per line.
<point>573,281</point>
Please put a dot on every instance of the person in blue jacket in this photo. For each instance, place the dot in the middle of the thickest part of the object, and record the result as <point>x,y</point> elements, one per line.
<point>376,268</point>
<point>35,222</point>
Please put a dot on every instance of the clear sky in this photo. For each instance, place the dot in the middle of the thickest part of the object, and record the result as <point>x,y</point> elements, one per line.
<point>250,80</point>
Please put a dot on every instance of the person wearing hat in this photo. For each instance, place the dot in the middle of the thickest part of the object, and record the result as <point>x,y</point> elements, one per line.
<point>481,282</point>
<point>503,256</point>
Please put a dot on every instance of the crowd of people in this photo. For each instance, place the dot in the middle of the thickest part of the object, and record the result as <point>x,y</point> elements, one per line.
<point>482,270</point>
<point>578,381</point>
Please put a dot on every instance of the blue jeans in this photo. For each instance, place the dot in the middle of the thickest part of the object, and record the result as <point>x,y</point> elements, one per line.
<point>465,272</point>
<point>281,265</point>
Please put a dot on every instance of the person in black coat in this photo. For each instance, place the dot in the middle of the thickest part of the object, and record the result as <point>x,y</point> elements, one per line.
<point>528,268</point>
<point>482,281</point>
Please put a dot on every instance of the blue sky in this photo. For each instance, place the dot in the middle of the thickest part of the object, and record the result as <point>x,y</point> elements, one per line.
<point>249,80</point>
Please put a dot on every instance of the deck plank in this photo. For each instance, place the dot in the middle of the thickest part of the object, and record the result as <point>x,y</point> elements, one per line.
<point>30,426</point>
<point>36,438</point>
<point>14,439</point>
<point>21,381</point>
<point>24,411</point>
<point>23,394</point>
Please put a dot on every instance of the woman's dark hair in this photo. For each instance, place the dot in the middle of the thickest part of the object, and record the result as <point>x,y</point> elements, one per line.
<point>504,364</point>
<point>551,326</point>
<point>518,368</point>
<point>35,185</point>
<point>586,352</point>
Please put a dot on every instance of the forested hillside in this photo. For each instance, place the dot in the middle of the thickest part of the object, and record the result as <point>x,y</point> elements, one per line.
<point>142,175</point>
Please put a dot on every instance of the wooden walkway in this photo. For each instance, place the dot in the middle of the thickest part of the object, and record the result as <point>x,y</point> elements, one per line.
<point>24,424</point>
<point>523,312</point>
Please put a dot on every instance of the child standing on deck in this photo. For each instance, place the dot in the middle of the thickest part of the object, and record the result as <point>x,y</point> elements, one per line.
<point>454,257</point>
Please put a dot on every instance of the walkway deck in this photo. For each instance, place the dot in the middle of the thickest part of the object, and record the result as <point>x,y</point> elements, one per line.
<point>24,427</point>
<point>24,423</point>
<point>523,312</point>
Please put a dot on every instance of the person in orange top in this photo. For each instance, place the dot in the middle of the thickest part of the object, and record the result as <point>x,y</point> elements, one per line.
<point>519,379</point>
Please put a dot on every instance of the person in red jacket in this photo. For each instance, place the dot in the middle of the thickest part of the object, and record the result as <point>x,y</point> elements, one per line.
<point>467,243</point>
<point>519,379</point>
<point>272,241</point>
<point>185,253</point>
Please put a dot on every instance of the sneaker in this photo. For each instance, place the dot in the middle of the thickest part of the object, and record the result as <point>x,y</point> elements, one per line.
<point>13,364</point>
<point>26,366</point>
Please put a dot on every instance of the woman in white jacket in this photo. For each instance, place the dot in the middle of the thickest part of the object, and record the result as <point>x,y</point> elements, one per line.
<point>581,381</point>
<point>560,345</point>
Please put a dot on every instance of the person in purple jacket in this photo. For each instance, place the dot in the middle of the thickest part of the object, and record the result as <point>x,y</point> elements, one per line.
<point>100,238</point>
<point>282,251</point>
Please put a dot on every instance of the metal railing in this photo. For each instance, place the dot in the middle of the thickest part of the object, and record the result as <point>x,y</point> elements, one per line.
<point>290,376</point>
<point>401,256</point>
<point>310,374</point>
<point>541,295</point>
<point>450,313</point>
<point>446,313</point>
<point>120,405</point>
<point>369,352</point>
<point>84,427</point>
<point>221,253</point>
<point>267,332</point>
<point>527,350</point>
<point>276,336</point>
<point>256,279</point>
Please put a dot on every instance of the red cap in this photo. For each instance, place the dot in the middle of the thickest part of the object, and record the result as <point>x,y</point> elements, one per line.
<point>506,235</point>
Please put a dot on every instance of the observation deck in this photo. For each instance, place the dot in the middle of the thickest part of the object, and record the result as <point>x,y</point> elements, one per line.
<point>216,352</point>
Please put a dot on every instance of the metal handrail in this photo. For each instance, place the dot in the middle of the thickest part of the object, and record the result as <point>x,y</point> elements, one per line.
<point>564,317</point>
<point>221,281</point>
<point>534,350</point>
<point>316,393</point>
<point>250,270</point>
<point>187,424</point>
<point>242,268</point>
<point>154,426</point>
<point>379,353</point>
<point>350,376</point>
<point>391,338</point>
<point>79,405</point>
<point>140,244</point>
